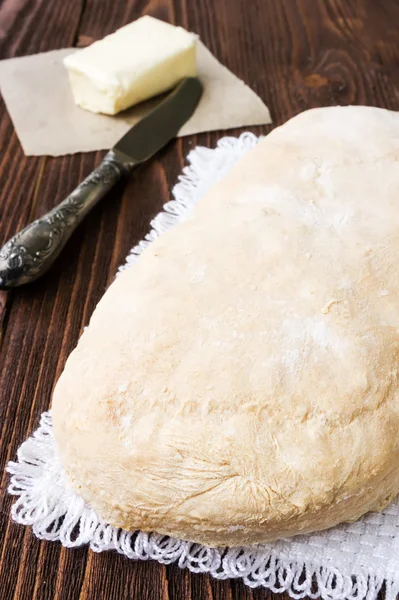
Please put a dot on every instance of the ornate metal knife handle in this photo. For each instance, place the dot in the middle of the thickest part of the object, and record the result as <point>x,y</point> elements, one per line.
<point>32,251</point>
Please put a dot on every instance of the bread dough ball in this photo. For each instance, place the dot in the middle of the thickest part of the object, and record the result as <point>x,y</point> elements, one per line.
<point>239,383</point>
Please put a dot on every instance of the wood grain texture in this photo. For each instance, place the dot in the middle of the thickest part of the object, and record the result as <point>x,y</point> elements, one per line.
<point>295,54</point>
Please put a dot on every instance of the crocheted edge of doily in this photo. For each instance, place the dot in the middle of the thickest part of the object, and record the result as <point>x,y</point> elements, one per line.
<point>77,524</point>
<point>63,516</point>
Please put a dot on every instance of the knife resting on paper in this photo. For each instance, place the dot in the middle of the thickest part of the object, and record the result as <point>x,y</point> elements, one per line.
<point>32,251</point>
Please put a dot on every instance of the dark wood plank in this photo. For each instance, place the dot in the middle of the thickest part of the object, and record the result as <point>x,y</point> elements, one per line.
<point>27,567</point>
<point>31,26</point>
<point>296,54</point>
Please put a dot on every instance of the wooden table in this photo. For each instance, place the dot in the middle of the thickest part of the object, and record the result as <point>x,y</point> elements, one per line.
<point>296,54</point>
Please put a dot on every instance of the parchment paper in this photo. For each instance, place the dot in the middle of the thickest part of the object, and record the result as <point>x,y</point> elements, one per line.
<point>39,99</point>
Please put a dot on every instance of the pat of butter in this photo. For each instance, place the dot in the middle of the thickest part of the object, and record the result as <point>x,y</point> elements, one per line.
<point>138,61</point>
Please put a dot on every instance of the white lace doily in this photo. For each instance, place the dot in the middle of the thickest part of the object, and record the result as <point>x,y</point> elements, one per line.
<point>349,562</point>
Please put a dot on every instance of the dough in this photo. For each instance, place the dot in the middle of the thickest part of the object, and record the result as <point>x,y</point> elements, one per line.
<point>239,383</point>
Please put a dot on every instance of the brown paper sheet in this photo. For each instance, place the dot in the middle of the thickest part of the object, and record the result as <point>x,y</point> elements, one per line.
<point>38,97</point>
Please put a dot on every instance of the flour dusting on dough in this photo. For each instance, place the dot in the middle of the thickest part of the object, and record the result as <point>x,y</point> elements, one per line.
<point>301,337</point>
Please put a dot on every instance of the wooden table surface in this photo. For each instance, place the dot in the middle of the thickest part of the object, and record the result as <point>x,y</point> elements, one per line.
<point>296,54</point>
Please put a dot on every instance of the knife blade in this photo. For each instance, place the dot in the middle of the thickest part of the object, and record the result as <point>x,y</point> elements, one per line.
<point>162,124</point>
<point>32,251</point>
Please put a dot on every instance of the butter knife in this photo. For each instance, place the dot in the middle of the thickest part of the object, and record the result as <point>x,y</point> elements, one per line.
<point>32,251</point>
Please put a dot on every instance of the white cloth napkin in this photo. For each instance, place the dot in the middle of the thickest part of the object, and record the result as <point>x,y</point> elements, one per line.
<point>348,562</point>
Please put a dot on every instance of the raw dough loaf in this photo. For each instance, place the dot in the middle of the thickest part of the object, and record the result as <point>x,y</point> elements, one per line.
<point>240,382</point>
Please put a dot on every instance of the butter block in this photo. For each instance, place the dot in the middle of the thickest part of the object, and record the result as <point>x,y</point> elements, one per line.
<point>138,61</point>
